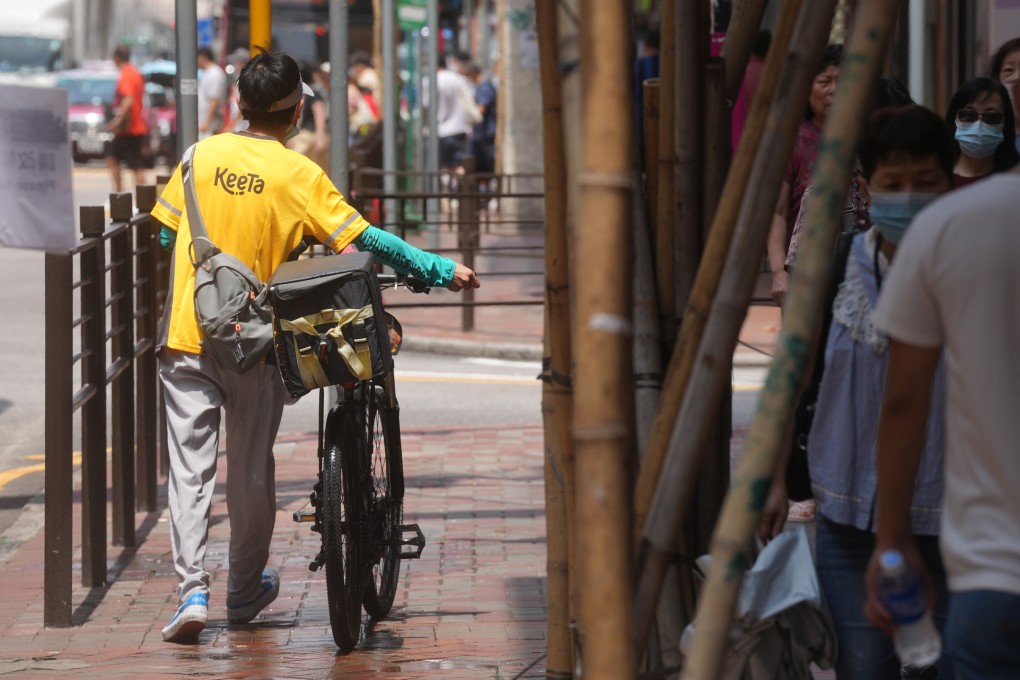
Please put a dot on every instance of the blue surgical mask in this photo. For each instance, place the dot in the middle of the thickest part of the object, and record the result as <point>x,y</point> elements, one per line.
<point>893,212</point>
<point>979,139</point>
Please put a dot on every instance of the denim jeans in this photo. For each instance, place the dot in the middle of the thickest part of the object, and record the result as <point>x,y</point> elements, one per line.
<point>865,653</point>
<point>983,635</point>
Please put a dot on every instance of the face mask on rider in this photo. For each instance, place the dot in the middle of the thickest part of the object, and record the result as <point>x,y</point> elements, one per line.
<point>979,139</point>
<point>893,212</point>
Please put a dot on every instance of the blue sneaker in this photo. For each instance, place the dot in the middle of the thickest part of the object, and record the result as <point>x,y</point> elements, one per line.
<point>269,588</point>
<point>189,620</point>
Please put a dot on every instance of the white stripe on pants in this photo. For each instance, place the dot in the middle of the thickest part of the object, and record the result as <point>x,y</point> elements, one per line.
<point>195,388</point>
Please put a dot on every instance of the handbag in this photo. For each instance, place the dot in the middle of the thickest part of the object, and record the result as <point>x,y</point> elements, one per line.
<point>230,301</point>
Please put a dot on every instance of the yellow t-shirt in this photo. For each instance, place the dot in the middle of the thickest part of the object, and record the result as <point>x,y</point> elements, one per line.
<point>258,200</point>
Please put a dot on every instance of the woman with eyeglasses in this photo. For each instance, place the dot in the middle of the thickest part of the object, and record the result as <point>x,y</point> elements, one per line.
<point>981,120</point>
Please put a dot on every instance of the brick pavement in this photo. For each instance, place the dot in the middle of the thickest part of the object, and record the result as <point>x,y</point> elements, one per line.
<point>472,607</point>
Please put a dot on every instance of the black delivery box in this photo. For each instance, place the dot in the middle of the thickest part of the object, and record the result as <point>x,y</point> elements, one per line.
<point>328,322</point>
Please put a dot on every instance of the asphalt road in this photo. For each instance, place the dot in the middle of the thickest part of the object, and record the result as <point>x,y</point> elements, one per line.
<point>433,390</point>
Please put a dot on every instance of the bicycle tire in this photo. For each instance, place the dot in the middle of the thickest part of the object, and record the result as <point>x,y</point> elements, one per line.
<point>339,523</point>
<point>386,469</point>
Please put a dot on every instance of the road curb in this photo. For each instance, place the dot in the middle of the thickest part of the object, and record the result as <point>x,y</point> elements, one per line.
<point>520,351</point>
<point>525,351</point>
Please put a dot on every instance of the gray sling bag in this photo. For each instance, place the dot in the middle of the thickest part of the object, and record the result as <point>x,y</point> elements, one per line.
<point>230,301</point>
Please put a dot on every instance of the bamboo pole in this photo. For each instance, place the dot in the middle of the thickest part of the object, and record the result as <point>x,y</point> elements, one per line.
<point>603,402</point>
<point>869,40</point>
<point>691,54</point>
<point>714,474</point>
<point>713,260</point>
<point>665,200</point>
<point>650,107</point>
<point>568,28</point>
<point>736,51</point>
<point>647,340</point>
<point>715,352</point>
<point>557,403</point>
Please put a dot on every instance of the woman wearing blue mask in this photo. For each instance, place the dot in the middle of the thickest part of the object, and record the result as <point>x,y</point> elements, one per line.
<point>982,123</point>
<point>906,162</point>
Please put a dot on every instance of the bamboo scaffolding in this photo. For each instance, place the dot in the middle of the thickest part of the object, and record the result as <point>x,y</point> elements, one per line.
<point>713,260</point>
<point>557,404</point>
<point>714,473</point>
<point>736,51</point>
<point>604,395</point>
<point>650,107</point>
<point>711,368</point>
<point>647,340</point>
<point>569,45</point>
<point>691,56</point>
<point>869,40</point>
<point>665,199</point>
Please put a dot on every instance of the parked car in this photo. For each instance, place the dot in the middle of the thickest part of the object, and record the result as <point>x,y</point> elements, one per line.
<point>90,94</point>
<point>159,78</point>
<point>164,105</point>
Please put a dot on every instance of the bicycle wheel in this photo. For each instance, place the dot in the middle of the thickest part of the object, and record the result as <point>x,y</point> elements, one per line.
<point>383,435</point>
<point>340,521</point>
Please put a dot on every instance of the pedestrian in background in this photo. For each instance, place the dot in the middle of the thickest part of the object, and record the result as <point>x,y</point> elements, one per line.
<point>127,124</point>
<point>235,122</point>
<point>483,134</point>
<point>956,289</point>
<point>212,90</point>
<point>312,138</point>
<point>364,73</point>
<point>781,246</point>
<point>1005,68</point>
<point>455,115</point>
<point>981,119</point>
<point>906,161</point>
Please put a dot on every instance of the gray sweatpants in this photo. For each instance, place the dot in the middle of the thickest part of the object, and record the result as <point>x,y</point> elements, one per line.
<point>195,389</point>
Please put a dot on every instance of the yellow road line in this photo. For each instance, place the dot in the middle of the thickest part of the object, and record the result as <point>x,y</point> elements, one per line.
<point>8,476</point>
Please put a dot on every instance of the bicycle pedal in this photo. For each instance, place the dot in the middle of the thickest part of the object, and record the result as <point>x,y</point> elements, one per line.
<point>304,516</point>
<point>418,542</point>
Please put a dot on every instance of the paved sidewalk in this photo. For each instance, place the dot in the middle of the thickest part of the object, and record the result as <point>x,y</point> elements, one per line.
<point>473,607</point>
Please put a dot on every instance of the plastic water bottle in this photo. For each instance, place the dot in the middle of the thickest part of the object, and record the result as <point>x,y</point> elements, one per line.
<point>916,640</point>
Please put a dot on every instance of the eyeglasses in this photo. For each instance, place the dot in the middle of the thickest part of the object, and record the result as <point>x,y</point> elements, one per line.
<point>991,117</point>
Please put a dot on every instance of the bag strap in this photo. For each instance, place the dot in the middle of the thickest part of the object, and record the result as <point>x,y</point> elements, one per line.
<point>201,247</point>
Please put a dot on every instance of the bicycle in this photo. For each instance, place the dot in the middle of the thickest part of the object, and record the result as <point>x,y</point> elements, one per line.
<point>357,502</point>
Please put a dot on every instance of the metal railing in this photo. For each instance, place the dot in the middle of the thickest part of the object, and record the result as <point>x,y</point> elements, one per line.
<point>119,293</point>
<point>478,209</point>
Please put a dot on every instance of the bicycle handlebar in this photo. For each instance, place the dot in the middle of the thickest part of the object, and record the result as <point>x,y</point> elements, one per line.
<point>413,284</point>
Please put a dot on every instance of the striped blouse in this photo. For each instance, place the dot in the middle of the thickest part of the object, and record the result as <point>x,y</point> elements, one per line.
<point>844,432</point>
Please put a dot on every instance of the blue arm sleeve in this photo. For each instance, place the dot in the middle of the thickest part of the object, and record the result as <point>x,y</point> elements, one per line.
<point>405,258</point>
<point>167,238</point>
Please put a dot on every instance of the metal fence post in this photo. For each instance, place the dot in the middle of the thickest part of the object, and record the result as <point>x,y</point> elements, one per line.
<point>467,235</point>
<point>59,467</point>
<point>93,411</point>
<point>146,265</point>
<point>120,373</point>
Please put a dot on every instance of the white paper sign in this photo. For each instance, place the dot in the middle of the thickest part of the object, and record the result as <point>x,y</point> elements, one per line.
<point>36,200</point>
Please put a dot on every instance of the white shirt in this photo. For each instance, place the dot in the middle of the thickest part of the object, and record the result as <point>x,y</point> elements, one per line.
<point>956,284</point>
<point>211,86</point>
<point>454,94</point>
